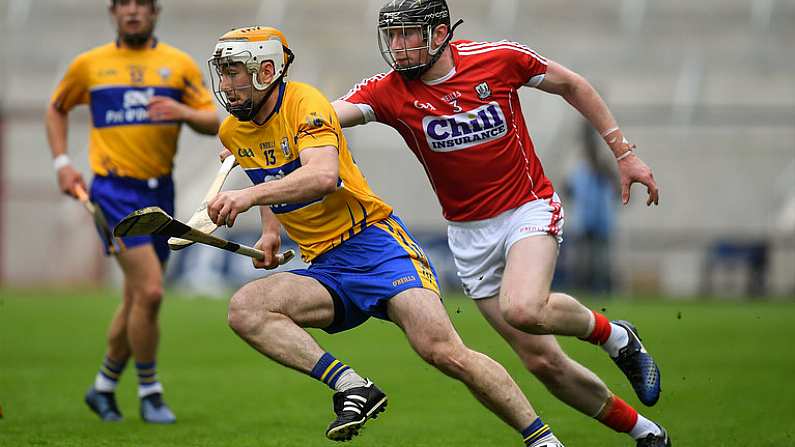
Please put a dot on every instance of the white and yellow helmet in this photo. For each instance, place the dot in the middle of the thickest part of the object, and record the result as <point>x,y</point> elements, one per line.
<point>251,46</point>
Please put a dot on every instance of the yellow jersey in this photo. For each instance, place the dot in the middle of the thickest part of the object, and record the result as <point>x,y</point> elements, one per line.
<point>304,118</point>
<point>117,83</point>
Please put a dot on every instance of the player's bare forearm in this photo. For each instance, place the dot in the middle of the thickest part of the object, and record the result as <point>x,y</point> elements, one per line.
<point>632,169</point>
<point>203,121</point>
<point>270,241</point>
<point>270,224</point>
<point>348,114</point>
<point>316,178</point>
<point>578,92</point>
<point>302,185</point>
<point>583,97</point>
<point>56,123</point>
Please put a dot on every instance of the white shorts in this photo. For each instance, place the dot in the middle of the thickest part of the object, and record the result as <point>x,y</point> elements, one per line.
<point>480,248</point>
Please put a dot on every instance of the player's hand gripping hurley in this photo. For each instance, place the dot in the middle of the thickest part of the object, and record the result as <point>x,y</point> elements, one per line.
<point>115,244</point>
<point>200,220</point>
<point>153,220</point>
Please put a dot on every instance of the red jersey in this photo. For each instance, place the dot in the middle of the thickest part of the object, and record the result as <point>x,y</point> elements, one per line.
<point>467,128</point>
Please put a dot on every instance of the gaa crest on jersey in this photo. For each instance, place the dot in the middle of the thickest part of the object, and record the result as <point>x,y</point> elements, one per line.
<point>466,129</point>
<point>483,90</point>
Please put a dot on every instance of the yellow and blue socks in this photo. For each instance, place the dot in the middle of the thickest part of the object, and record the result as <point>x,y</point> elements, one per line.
<point>335,374</point>
<point>108,376</point>
<point>538,434</point>
<point>147,379</point>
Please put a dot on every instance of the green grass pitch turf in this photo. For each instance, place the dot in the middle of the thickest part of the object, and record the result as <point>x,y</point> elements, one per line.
<point>727,372</point>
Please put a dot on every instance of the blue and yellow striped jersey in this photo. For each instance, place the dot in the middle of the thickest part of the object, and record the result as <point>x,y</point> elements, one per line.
<point>117,83</point>
<point>304,118</point>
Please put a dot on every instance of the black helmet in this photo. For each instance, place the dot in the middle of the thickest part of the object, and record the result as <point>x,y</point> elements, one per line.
<point>423,15</point>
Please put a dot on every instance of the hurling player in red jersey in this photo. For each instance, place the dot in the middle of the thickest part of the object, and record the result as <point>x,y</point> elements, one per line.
<point>455,103</point>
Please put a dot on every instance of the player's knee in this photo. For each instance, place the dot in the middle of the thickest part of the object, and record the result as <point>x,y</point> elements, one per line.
<point>149,297</point>
<point>447,357</point>
<point>256,305</point>
<point>239,316</point>
<point>527,316</point>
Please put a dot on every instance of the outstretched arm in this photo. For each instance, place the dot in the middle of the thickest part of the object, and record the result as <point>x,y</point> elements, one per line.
<point>348,114</point>
<point>578,92</point>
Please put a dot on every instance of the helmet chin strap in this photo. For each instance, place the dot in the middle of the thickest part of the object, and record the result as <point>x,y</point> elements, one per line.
<point>246,111</point>
<point>416,72</point>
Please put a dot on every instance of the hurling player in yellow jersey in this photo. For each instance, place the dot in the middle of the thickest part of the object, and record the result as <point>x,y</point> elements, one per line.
<point>363,261</point>
<point>139,92</point>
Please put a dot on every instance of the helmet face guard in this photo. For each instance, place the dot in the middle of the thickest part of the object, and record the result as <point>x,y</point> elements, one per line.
<point>244,111</point>
<point>403,19</point>
<point>423,51</point>
<point>251,54</point>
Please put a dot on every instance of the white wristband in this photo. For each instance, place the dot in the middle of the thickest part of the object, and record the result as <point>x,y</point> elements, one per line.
<point>624,155</point>
<point>60,162</point>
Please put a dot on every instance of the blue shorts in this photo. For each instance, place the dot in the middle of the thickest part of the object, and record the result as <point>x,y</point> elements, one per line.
<point>119,196</point>
<point>368,269</point>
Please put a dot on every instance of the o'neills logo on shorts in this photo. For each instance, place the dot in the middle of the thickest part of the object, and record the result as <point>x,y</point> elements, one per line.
<point>466,129</point>
<point>403,280</point>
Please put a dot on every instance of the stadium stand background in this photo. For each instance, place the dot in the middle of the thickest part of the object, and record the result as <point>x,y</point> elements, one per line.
<point>706,89</point>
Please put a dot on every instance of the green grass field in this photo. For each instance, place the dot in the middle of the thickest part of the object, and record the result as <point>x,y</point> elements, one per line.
<point>726,367</point>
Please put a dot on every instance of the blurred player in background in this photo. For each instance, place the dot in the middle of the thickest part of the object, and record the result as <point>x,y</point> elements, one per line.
<point>139,91</point>
<point>456,106</point>
<point>363,261</point>
<point>592,187</point>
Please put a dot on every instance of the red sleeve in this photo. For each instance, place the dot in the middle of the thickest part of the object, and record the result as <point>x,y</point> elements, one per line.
<point>371,95</point>
<point>521,65</point>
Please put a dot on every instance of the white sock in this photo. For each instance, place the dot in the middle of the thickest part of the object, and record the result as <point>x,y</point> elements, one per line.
<point>104,385</point>
<point>643,427</point>
<point>349,379</point>
<point>547,441</point>
<point>152,388</point>
<point>618,339</point>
